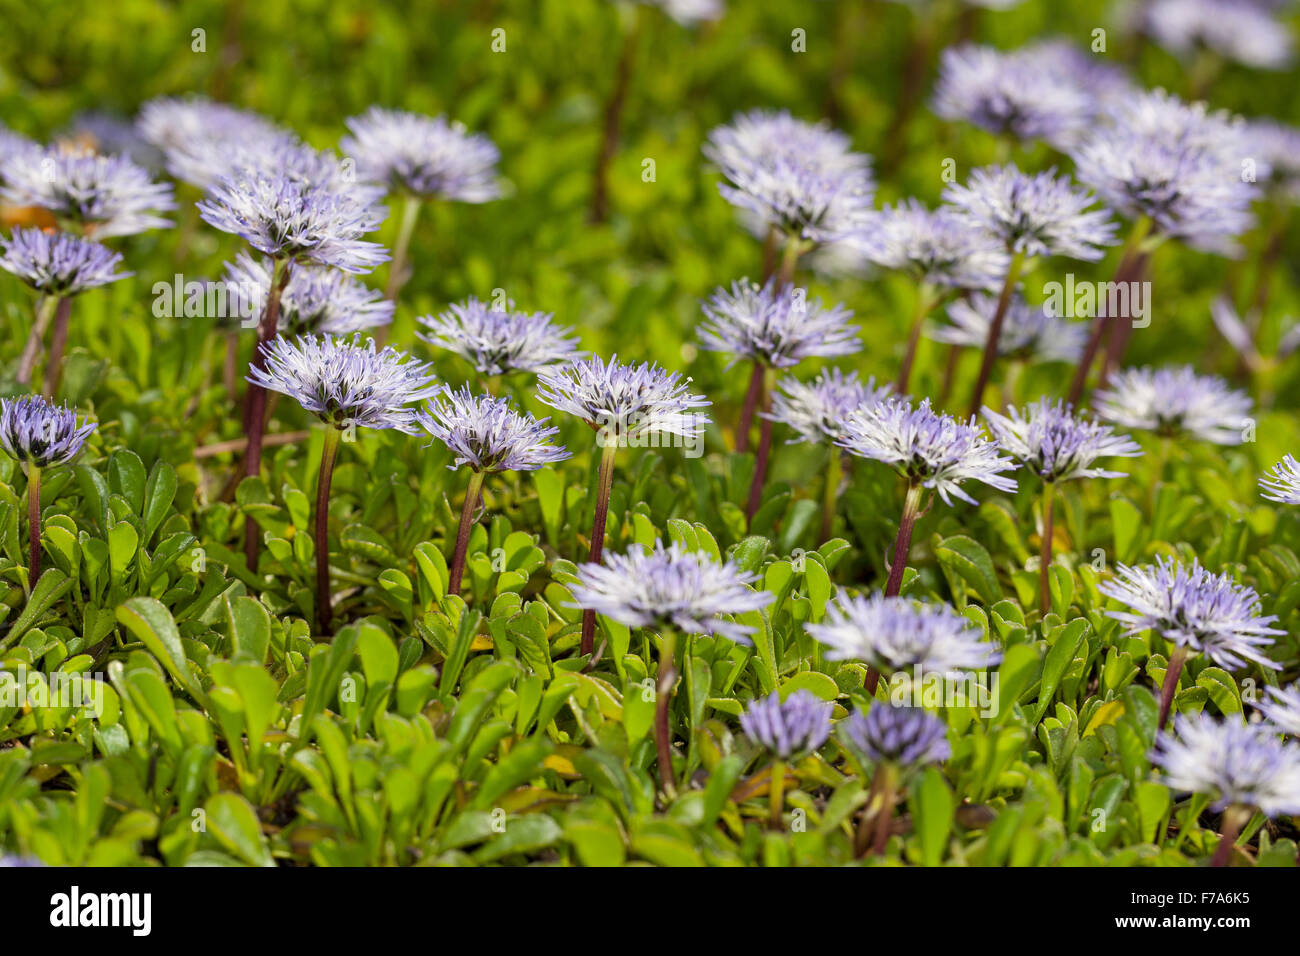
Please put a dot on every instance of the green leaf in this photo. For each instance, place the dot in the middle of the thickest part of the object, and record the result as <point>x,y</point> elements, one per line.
<point>933,806</point>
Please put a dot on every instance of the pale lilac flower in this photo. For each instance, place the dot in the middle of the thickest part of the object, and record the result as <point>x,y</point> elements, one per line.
<point>775,326</point>
<point>690,13</point>
<point>1047,439</point>
<point>817,410</point>
<point>345,383</point>
<point>670,587</point>
<point>39,433</point>
<point>425,156</point>
<point>788,728</point>
<point>111,135</point>
<point>287,217</point>
<point>1028,331</point>
<point>631,400</point>
<point>898,634</point>
<point>1282,484</point>
<point>316,299</point>
<point>497,341</point>
<point>201,140</point>
<point>906,737</point>
<point>1232,763</point>
<point>1204,612</point>
<point>1042,214</point>
<point>939,247</point>
<point>1096,74</point>
<point>1282,708</point>
<point>1245,31</point>
<point>487,434</point>
<point>107,195</point>
<point>59,263</point>
<point>935,450</point>
<point>1175,401</point>
<point>12,144</point>
<point>1276,147</point>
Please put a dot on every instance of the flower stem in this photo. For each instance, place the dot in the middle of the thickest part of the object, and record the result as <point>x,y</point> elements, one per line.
<point>472,494</point>
<point>666,677</point>
<point>323,598</point>
<point>613,120</point>
<point>255,410</point>
<point>751,405</point>
<point>888,793</point>
<point>1172,672</point>
<point>902,545</point>
<point>1045,549</point>
<point>34,522</point>
<point>924,303</point>
<point>769,252</point>
<point>1234,818</point>
<point>995,332</point>
<point>794,248</point>
<point>397,272</point>
<point>58,345</point>
<point>604,483</point>
<point>764,445</point>
<point>831,493</point>
<point>32,348</point>
<point>776,794</point>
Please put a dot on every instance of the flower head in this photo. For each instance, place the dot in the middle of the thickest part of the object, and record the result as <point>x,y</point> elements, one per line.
<point>902,736</point>
<point>633,400</point>
<point>1028,331</point>
<point>59,263</point>
<point>816,410</point>
<point>12,144</point>
<point>345,383</point>
<point>797,177</point>
<point>315,300</point>
<point>286,216</point>
<point>41,434</point>
<point>1039,215</point>
<point>1175,401</point>
<point>1282,707</point>
<point>106,195</point>
<point>1232,763</point>
<point>790,728</point>
<point>1208,613</point>
<point>1050,441</point>
<point>487,434</point>
<point>202,140</point>
<point>496,341</point>
<point>939,247</point>
<point>1283,483</point>
<point>690,13</point>
<point>928,447</point>
<point>1277,146</point>
<point>775,326</point>
<point>897,634</point>
<point>1245,31</point>
<point>424,156</point>
<point>670,587</point>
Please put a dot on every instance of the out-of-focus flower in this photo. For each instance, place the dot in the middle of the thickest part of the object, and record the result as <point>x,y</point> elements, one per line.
<point>1028,331</point>
<point>939,247</point>
<point>907,737</point>
<point>202,141</point>
<point>1282,484</point>
<point>426,156</point>
<point>498,341</point>
<point>788,728</point>
<point>817,410</point>
<point>1231,763</point>
<point>1245,31</point>
<point>1175,401</point>
<point>316,300</point>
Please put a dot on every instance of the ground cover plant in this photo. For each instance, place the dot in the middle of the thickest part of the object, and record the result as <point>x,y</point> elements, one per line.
<point>685,433</point>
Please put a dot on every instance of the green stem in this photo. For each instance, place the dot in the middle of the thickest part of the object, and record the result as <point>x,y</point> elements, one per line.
<point>58,345</point>
<point>1234,818</point>
<point>888,794</point>
<point>794,248</point>
<point>397,276</point>
<point>604,484</point>
<point>925,301</point>
<point>831,493</point>
<point>776,794</point>
<point>472,494</point>
<point>1045,550</point>
<point>45,309</point>
<point>323,597</point>
<point>666,677</point>
<point>34,522</point>
<point>1170,686</point>
<point>995,332</point>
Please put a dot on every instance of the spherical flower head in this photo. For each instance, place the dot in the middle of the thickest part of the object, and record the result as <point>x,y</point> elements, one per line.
<point>899,635</point>
<point>200,139</point>
<point>799,178</point>
<point>1029,332</point>
<point>1232,763</point>
<point>1011,93</point>
<point>41,434</point>
<point>429,157</point>
<point>487,434</point>
<point>316,300</point>
<point>1282,707</point>
<point>624,401</point>
<point>1093,73</point>
<point>1245,31</point>
<point>939,247</point>
<point>670,587</point>
<point>928,447</point>
<point>690,13</point>
<point>1195,609</point>
<point>1049,440</point>
<point>775,326</point>
<point>1039,215</point>
<point>285,216</point>
<point>345,383</point>
<point>104,195</point>
<point>906,737</point>
<point>817,410</point>
<point>1277,147</point>
<point>1282,484</point>
<point>500,340</point>
<point>1175,401</point>
<point>791,728</point>
<point>59,263</point>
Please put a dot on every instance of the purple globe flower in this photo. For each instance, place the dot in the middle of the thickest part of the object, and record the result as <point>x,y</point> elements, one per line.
<point>1282,707</point>
<point>1191,607</point>
<point>1283,483</point>
<point>315,300</point>
<point>1047,439</point>
<point>670,587</point>
<point>775,326</point>
<point>38,433</point>
<point>1276,146</point>
<point>345,383</point>
<point>104,195</point>
<point>1029,332</point>
<point>906,737</point>
<point>1232,763</point>
<point>202,141</point>
<point>498,341</point>
<point>790,728</point>
<point>12,144</point>
<point>423,156</point>
<point>817,410</point>
<point>1175,401</point>
<point>59,263</point>
<point>487,434</point>
<point>939,247</point>
<point>1245,31</point>
<point>690,13</point>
